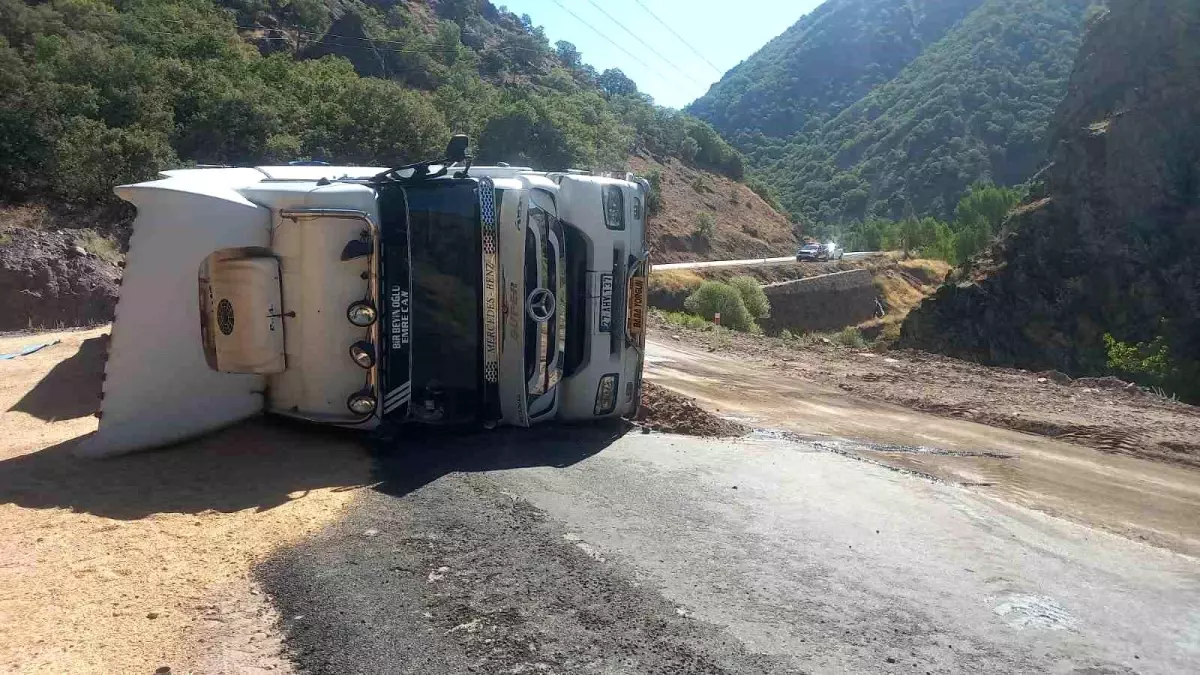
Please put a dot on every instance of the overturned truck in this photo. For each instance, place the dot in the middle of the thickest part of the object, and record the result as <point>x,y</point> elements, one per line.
<point>435,293</point>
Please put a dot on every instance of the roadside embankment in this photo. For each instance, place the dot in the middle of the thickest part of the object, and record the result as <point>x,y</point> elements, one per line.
<point>873,293</point>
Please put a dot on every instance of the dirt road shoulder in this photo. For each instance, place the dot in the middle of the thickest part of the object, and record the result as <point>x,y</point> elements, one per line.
<point>130,564</point>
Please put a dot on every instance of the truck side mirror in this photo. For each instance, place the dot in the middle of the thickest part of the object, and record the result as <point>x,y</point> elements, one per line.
<point>456,149</point>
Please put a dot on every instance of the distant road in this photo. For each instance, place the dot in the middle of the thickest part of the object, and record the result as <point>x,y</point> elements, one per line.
<point>753,262</point>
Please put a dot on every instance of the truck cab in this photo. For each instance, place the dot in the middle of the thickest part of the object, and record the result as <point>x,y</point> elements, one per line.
<point>438,294</point>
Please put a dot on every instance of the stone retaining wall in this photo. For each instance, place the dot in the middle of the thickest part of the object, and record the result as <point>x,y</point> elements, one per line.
<point>829,302</point>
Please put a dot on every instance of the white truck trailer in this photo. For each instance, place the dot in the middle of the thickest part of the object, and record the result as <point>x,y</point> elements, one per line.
<point>436,293</point>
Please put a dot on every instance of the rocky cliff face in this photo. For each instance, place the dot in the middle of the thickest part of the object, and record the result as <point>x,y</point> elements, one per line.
<point>1110,243</point>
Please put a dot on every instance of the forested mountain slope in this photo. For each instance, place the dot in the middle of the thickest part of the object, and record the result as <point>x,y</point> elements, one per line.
<point>973,106</point>
<point>824,63</point>
<point>97,93</point>
<point>94,93</point>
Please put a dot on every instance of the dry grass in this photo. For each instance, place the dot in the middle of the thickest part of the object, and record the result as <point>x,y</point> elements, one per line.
<point>901,288</point>
<point>898,292</point>
<point>930,272</point>
<point>28,216</point>
<point>33,217</point>
<point>100,246</point>
<point>39,217</point>
<point>673,281</point>
<point>745,227</point>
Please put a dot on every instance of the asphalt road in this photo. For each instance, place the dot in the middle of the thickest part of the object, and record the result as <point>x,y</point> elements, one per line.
<point>586,550</point>
<point>753,262</point>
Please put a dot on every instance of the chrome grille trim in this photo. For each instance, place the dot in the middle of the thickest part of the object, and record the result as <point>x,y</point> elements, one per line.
<point>491,281</point>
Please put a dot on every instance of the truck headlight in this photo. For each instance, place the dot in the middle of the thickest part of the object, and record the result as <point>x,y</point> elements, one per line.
<point>362,402</point>
<point>361,314</point>
<point>363,353</point>
<point>614,207</point>
<point>606,394</point>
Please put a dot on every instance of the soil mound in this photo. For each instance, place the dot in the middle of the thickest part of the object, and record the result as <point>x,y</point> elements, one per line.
<point>48,280</point>
<point>664,410</point>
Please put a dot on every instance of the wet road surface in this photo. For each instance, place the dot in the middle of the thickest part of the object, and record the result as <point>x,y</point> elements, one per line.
<point>590,551</point>
<point>1145,500</point>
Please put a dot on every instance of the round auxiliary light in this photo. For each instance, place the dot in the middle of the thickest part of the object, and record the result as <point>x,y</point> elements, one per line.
<point>361,314</point>
<point>362,403</point>
<point>363,353</point>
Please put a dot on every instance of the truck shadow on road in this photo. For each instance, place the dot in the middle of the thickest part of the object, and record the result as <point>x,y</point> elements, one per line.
<point>424,456</point>
<point>265,463</point>
<point>72,388</point>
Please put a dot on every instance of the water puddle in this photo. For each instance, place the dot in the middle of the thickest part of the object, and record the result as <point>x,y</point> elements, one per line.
<point>972,468</point>
<point>1033,611</point>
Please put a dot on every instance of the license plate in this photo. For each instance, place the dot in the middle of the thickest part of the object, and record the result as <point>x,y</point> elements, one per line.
<point>606,292</point>
<point>635,323</point>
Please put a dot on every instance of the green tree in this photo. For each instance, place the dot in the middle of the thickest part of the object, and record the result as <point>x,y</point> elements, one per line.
<point>942,245</point>
<point>706,225</point>
<point>654,195</point>
<point>688,149</point>
<point>979,216</point>
<point>94,93</point>
<point>614,82</point>
<point>568,54</point>
<point>986,205</point>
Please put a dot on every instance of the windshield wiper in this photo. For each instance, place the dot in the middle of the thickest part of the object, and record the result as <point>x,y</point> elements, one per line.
<point>456,151</point>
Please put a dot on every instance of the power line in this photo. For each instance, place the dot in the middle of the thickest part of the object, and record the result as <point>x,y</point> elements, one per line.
<point>610,41</point>
<point>678,37</point>
<point>644,43</point>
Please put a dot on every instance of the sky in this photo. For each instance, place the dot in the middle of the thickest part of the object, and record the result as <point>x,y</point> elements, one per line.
<point>723,32</point>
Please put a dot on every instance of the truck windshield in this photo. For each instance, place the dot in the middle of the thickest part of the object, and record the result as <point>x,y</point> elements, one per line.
<point>445,251</point>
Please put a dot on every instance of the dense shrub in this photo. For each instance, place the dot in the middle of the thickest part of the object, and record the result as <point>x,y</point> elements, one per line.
<point>752,296</point>
<point>714,297</point>
<point>654,196</point>
<point>706,225</point>
<point>850,336</point>
<point>1152,364</point>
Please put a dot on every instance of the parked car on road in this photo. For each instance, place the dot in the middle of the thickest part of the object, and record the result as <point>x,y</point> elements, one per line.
<point>814,251</point>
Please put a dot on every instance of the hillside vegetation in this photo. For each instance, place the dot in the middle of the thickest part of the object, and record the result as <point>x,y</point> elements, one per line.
<point>95,93</point>
<point>823,64</point>
<point>699,215</point>
<point>962,95</point>
<point>1097,272</point>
